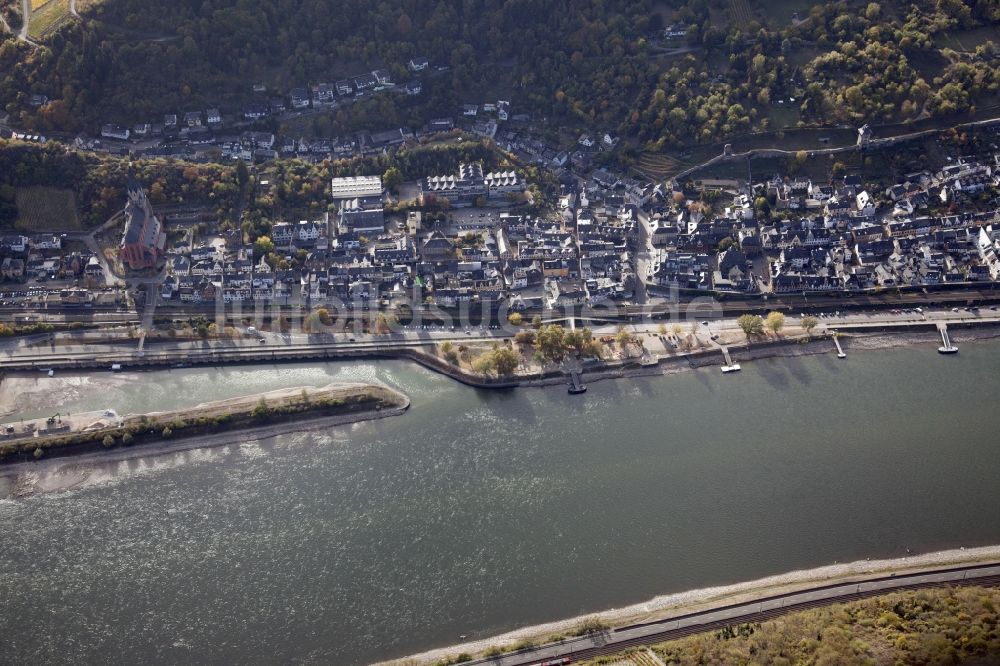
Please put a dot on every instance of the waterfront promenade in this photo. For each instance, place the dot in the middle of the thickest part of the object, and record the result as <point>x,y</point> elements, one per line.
<point>30,355</point>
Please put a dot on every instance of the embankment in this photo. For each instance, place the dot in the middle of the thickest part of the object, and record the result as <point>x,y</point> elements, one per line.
<point>672,605</point>
<point>214,423</point>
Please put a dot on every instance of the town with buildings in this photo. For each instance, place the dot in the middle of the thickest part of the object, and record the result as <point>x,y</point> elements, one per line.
<point>609,239</point>
<point>363,333</point>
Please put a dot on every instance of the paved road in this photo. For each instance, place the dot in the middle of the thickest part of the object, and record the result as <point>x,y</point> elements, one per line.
<point>89,238</point>
<point>616,640</point>
<point>205,352</point>
<point>705,307</point>
<point>19,353</point>
<point>25,17</point>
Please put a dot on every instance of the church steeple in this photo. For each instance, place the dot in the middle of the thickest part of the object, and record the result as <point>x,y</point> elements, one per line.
<point>135,192</point>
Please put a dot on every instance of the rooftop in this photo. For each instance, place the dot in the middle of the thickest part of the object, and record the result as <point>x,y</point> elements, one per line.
<point>353,187</point>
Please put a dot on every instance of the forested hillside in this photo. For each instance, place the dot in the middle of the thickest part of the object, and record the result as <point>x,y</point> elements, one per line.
<point>133,59</point>
<point>598,64</point>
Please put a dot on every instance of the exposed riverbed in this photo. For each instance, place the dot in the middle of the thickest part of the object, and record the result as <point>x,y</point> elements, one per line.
<point>477,512</point>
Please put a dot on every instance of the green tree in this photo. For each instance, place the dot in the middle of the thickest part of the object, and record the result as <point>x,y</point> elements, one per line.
<point>515,319</point>
<point>449,353</point>
<point>525,337</point>
<point>775,322</point>
<point>624,338</point>
<point>574,339</point>
<point>550,342</point>
<point>392,179</point>
<point>484,364</point>
<point>108,441</point>
<point>506,361</point>
<point>752,325</point>
<point>261,412</point>
<point>242,174</point>
<point>809,323</point>
<point>262,247</point>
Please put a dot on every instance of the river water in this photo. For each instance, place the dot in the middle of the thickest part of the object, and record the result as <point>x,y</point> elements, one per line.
<point>478,512</point>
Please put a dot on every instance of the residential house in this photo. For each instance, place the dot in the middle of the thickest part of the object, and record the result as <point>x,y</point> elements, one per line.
<point>299,98</point>
<point>255,111</point>
<point>323,93</point>
<point>364,83</point>
<point>675,30</point>
<point>115,132</point>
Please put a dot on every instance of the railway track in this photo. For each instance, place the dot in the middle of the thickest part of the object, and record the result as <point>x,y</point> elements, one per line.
<point>614,642</point>
<point>762,616</point>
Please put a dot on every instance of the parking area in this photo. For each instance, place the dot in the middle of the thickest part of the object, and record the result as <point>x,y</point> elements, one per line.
<point>474,219</point>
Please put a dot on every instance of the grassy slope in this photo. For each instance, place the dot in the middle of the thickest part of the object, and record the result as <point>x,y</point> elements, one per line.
<point>48,17</point>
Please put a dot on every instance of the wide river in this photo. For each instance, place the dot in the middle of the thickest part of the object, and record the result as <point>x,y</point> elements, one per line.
<point>478,512</point>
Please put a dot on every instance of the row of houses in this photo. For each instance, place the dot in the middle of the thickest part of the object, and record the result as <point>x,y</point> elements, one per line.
<point>832,236</point>
<point>352,256</point>
<point>317,95</point>
<point>42,258</point>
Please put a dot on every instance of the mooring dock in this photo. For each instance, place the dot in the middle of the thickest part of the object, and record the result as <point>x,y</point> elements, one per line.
<point>840,350</point>
<point>946,346</point>
<point>729,366</point>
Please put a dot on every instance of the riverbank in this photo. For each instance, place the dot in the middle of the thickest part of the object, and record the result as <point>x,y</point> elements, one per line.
<point>692,601</point>
<point>873,336</point>
<point>781,348</point>
<point>213,423</point>
<point>19,389</point>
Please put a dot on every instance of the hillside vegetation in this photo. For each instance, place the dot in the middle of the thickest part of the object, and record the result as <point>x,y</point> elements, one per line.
<point>600,64</point>
<point>947,626</point>
<point>225,190</point>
